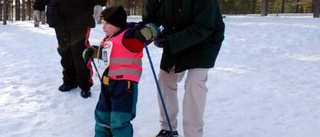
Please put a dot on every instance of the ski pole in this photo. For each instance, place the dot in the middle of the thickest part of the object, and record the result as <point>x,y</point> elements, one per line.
<point>95,67</point>
<point>159,90</point>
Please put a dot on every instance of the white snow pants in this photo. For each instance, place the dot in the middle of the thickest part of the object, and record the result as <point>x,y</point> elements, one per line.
<point>194,100</point>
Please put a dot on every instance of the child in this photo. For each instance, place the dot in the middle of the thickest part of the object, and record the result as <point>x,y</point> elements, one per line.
<point>122,51</point>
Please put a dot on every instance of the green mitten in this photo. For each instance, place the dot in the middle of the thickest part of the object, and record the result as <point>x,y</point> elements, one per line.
<point>149,31</point>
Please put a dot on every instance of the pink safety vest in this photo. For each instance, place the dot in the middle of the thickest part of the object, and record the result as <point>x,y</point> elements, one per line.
<point>124,64</point>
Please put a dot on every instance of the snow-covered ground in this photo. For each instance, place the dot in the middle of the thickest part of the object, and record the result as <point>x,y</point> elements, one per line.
<point>265,83</point>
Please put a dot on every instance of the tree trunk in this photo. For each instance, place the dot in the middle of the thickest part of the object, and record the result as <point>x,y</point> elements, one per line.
<point>23,10</point>
<point>316,10</point>
<point>143,7</point>
<point>1,10</point>
<point>264,9</point>
<point>17,8</point>
<point>297,6</point>
<point>282,6</point>
<point>29,5</point>
<point>5,12</point>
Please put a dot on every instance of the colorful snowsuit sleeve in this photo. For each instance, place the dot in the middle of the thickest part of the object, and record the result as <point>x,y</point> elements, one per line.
<point>130,40</point>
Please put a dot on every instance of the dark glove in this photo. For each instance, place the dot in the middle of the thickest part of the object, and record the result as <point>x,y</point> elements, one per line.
<point>161,41</point>
<point>87,54</point>
<point>147,32</point>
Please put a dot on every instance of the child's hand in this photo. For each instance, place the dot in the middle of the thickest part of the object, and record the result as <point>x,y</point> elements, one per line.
<point>148,32</point>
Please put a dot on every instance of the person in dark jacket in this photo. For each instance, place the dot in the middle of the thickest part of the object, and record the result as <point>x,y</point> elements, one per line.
<point>193,32</point>
<point>72,21</point>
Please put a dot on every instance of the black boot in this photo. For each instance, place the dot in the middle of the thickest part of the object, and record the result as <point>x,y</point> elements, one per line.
<point>85,93</point>
<point>166,133</point>
<point>65,87</point>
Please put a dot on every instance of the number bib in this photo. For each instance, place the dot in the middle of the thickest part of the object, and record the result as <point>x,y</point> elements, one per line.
<point>106,52</point>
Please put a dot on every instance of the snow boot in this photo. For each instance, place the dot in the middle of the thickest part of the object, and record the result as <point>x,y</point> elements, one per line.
<point>166,133</point>
<point>85,92</point>
<point>65,87</point>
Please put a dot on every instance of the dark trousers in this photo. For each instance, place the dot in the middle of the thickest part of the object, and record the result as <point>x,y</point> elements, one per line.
<point>116,108</point>
<point>72,42</point>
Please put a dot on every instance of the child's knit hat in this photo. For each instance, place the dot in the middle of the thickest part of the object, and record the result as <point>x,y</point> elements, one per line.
<point>115,15</point>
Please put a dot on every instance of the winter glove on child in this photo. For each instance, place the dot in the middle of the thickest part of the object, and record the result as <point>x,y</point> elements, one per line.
<point>148,32</point>
<point>92,52</point>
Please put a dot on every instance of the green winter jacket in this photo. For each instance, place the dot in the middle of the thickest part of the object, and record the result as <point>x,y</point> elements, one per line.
<point>194,30</point>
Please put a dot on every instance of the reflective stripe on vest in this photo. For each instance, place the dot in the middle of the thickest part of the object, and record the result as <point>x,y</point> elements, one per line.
<point>124,64</point>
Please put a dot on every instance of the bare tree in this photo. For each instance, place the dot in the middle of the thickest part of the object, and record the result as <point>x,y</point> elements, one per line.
<point>5,12</point>
<point>282,6</point>
<point>23,10</point>
<point>1,10</point>
<point>17,9</point>
<point>316,8</point>
<point>264,9</point>
<point>29,7</point>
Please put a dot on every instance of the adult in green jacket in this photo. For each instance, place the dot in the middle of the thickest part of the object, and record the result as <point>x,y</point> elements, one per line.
<point>193,31</point>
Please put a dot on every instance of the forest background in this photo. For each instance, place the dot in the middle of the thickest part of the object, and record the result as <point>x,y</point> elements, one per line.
<point>22,9</point>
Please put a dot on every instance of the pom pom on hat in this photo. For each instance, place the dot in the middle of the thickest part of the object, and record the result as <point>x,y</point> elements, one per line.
<point>115,15</point>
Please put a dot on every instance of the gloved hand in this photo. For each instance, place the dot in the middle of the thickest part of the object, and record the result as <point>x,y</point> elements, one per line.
<point>161,41</point>
<point>96,13</point>
<point>87,54</point>
<point>148,32</point>
<point>36,17</point>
